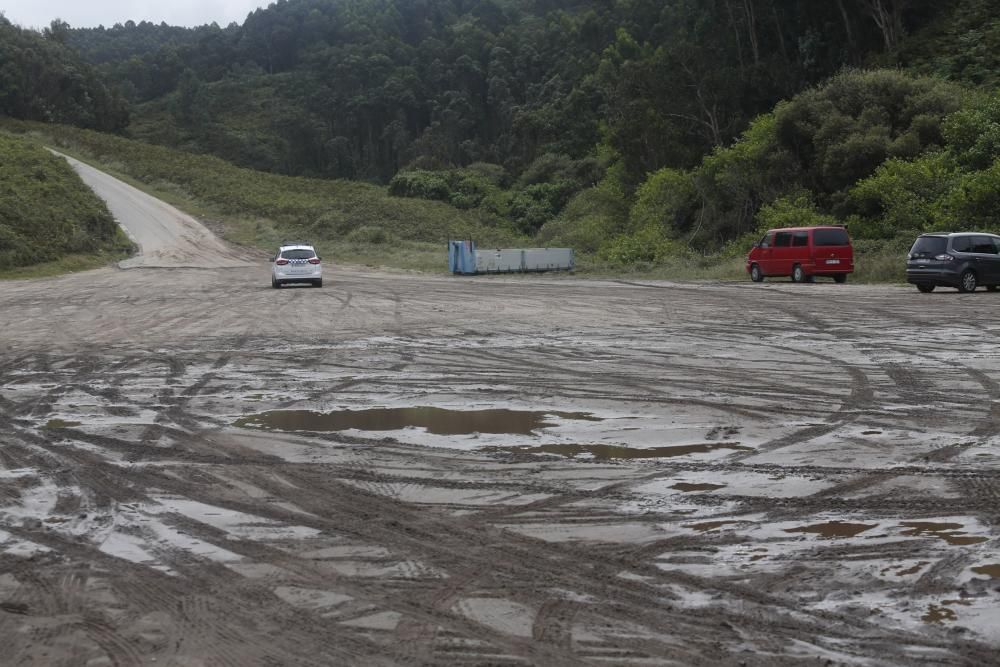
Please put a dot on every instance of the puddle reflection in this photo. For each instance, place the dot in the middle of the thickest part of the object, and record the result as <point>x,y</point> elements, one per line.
<point>439,421</point>
<point>991,571</point>
<point>688,487</point>
<point>949,532</point>
<point>708,525</point>
<point>833,529</point>
<point>611,452</point>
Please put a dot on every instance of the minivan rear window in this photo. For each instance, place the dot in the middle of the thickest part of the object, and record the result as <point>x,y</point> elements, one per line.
<point>828,237</point>
<point>301,253</point>
<point>930,246</point>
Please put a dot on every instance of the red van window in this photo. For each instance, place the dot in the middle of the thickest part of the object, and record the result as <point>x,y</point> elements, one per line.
<point>800,239</point>
<point>828,237</point>
<point>782,240</point>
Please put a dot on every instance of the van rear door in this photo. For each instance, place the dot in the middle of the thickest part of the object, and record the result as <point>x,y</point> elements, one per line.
<point>832,250</point>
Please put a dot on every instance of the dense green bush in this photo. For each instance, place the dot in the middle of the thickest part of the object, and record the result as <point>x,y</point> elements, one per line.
<point>664,200</point>
<point>588,221</point>
<point>795,210</point>
<point>903,195</point>
<point>46,212</point>
<point>421,185</point>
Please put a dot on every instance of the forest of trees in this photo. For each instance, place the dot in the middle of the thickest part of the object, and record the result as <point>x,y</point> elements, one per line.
<point>43,79</point>
<point>610,124</point>
<point>363,88</point>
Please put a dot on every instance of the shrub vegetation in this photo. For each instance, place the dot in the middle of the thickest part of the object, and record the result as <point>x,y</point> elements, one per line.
<point>46,212</point>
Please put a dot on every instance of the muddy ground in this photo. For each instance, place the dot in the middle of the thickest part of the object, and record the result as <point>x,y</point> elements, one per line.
<point>822,483</point>
<point>196,469</point>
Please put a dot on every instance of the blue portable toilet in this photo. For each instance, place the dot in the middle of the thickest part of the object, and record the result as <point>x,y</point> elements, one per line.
<point>462,257</point>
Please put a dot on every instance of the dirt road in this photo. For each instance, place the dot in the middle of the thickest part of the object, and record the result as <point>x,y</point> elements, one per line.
<point>578,472</point>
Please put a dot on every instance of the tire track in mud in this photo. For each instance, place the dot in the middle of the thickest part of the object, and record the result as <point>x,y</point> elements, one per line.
<point>487,562</point>
<point>218,626</point>
<point>526,560</point>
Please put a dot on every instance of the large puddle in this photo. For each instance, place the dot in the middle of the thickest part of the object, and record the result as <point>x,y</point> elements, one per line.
<point>951,533</point>
<point>991,571</point>
<point>833,529</point>
<point>610,452</point>
<point>439,421</point>
<point>687,487</point>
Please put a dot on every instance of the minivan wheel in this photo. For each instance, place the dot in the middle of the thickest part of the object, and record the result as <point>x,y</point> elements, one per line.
<point>840,278</point>
<point>967,283</point>
<point>926,289</point>
<point>798,275</point>
<point>756,274</point>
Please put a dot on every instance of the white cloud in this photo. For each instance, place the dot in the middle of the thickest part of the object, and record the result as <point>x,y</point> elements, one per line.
<point>40,13</point>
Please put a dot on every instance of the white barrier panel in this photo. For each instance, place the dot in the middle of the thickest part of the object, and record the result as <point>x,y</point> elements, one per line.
<point>547,259</point>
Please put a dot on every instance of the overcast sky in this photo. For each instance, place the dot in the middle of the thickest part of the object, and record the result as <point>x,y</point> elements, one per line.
<point>92,13</point>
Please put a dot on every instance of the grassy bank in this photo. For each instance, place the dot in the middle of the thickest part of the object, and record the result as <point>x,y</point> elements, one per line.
<point>49,220</point>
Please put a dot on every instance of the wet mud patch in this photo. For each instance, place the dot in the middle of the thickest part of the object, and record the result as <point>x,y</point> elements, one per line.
<point>992,571</point>
<point>951,533</point>
<point>613,452</point>
<point>943,612</point>
<point>688,487</point>
<point>708,525</point>
<point>833,529</point>
<point>439,421</point>
<point>54,424</point>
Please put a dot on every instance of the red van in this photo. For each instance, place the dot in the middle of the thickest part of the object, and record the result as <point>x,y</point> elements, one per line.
<point>802,253</point>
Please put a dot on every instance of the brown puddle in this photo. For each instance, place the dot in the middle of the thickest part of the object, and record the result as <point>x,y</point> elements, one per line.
<point>936,614</point>
<point>949,532</point>
<point>991,571</point>
<point>911,570</point>
<point>436,420</point>
<point>833,529</point>
<point>707,526</point>
<point>608,452</point>
<point>60,423</point>
<point>687,487</point>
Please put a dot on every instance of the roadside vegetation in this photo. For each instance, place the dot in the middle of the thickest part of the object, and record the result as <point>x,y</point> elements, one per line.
<point>49,220</point>
<point>653,137</point>
<point>346,219</point>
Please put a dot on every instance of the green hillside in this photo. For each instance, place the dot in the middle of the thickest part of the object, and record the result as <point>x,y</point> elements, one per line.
<point>47,214</point>
<point>640,132</point>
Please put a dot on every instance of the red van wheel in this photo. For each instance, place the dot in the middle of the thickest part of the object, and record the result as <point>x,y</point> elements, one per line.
<point>798,275</point>
<point>756,274</point>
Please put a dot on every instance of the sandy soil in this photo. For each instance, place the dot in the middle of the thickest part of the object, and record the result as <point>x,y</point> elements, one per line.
<point>725,474</point>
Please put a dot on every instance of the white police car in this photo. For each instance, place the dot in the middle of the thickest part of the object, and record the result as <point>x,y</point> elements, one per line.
<point>296,262</point>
